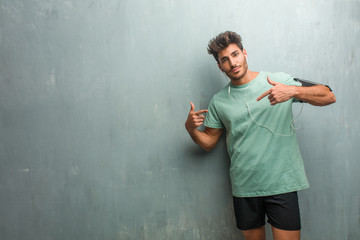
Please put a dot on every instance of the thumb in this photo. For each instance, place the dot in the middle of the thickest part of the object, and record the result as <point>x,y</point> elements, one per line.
<point>271,81</point>
<point>192,107</point>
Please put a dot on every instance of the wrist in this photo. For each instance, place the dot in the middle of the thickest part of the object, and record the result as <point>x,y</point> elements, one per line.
<point>190,129</point>
<point>295,91</point>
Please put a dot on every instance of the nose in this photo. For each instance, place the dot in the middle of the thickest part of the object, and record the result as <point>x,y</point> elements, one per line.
<point>231,62</point>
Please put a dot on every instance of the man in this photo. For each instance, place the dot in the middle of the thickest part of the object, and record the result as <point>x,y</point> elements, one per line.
<point>266,168</point>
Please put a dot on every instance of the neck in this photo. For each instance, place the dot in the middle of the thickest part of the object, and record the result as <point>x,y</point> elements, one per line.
<point>248,77</point>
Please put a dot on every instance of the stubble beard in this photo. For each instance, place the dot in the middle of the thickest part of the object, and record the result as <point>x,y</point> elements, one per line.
<point>237,78</point>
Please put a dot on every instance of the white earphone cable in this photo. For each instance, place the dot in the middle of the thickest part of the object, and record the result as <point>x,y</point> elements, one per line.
<point>261,125</point>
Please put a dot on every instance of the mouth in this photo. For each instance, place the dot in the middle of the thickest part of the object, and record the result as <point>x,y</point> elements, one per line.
<point>235,69</point>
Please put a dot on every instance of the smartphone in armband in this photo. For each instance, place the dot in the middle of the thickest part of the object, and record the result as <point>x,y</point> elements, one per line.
<point>307,83</point>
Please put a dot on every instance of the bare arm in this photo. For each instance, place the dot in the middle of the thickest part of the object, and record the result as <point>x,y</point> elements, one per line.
<point>206,139</point>
<point>318,95</point>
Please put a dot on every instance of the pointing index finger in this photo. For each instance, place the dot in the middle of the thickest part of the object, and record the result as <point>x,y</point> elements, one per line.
<point>263,95</point>
<point>201,111</point>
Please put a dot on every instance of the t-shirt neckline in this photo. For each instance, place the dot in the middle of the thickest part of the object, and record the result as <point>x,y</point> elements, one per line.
<point>246,84</point>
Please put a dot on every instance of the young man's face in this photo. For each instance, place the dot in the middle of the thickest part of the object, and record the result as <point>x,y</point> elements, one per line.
<point>232,62</point>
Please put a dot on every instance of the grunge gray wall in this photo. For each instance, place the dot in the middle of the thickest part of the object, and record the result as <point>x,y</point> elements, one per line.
<point>93,99</point>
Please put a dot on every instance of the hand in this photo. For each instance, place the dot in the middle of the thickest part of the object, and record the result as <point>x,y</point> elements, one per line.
<point>278,93</point>
<point>195,119</point>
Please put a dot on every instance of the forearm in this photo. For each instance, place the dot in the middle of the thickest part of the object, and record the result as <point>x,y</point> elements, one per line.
<point>203,139</point>
<point>206,139</point>
<point>318,95</point>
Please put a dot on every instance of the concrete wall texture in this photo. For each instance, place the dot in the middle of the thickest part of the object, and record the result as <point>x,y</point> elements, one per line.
<point>93,100</point>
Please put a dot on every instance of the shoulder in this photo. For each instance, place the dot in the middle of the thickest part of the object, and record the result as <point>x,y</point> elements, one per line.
<point>284,78</point>
<point>280,76</point>
<point>222,93</point>
<point>219,97</point>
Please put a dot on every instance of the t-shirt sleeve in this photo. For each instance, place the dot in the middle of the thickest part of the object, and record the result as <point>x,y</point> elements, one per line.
<point>290,80</point>
<point>212,119</point>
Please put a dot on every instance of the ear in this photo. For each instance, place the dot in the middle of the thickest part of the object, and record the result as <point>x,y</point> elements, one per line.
<point>244,52</point>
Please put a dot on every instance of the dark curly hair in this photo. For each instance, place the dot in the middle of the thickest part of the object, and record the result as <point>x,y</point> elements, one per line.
<point>222,41</point>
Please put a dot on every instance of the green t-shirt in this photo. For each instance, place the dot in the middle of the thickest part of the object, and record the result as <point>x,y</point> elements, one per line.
<point>262,145</point>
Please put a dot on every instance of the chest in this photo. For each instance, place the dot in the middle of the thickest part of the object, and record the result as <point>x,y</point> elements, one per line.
<point>241,110</point>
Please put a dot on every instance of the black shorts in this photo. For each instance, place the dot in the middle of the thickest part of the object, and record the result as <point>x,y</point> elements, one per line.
<point>282,211</point>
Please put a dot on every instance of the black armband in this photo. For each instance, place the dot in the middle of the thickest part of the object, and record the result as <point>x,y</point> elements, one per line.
<point>306,83</point>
